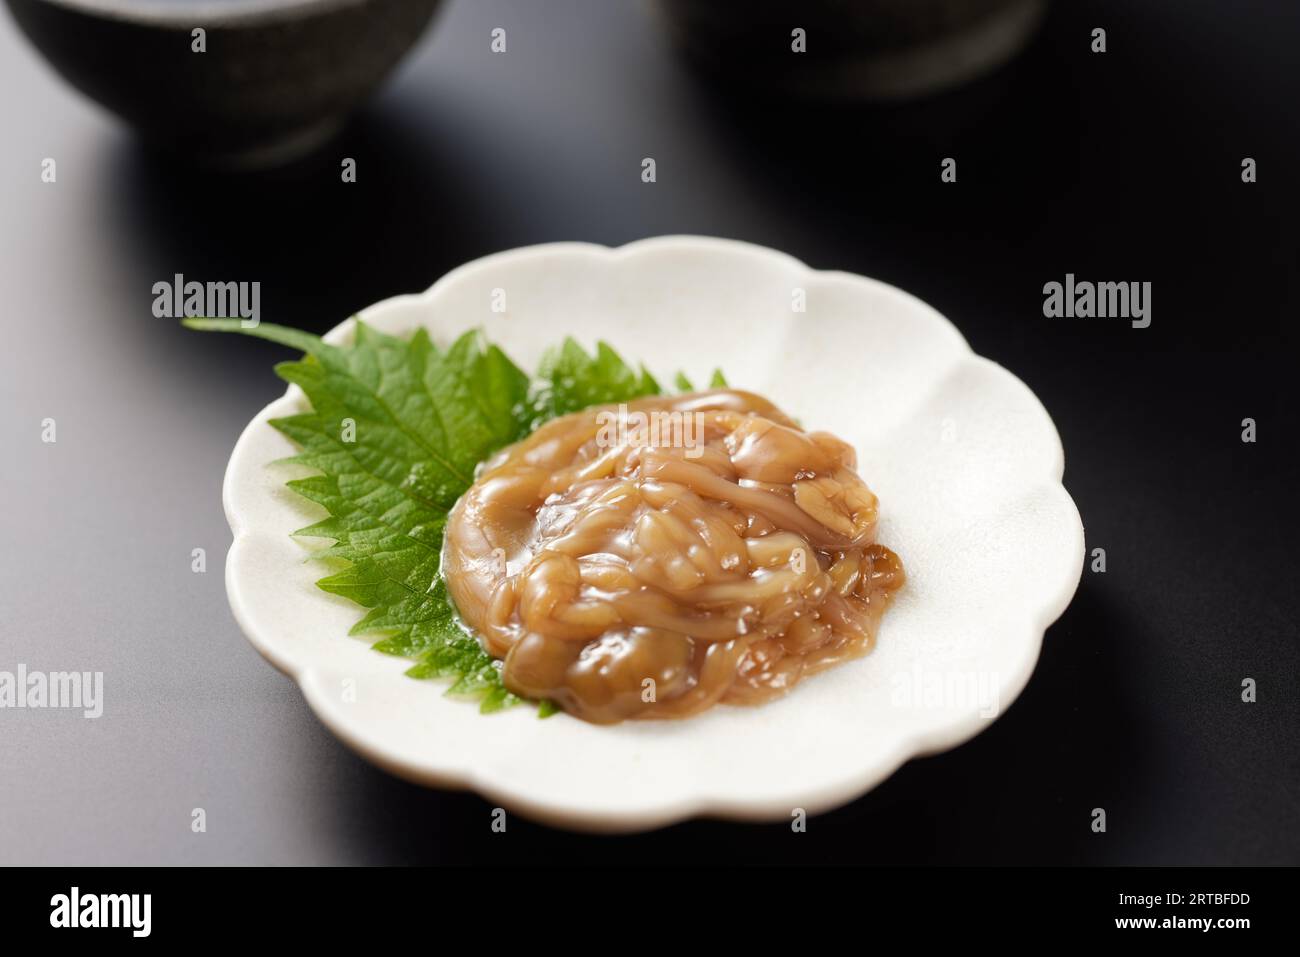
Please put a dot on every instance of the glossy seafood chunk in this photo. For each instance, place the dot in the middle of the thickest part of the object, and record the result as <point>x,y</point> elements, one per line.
<point>652,559</point>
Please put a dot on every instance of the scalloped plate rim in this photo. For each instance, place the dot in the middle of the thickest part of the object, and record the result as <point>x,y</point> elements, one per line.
<point>931,741</point>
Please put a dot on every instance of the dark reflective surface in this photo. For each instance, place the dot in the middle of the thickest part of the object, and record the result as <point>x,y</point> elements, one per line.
<point>1123,166</point>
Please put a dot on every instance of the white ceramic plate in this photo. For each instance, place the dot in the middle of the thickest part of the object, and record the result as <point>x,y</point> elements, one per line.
<point>964,458</point>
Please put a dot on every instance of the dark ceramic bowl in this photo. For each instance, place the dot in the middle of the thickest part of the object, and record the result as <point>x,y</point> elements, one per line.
<point>278,77</point>
<point>855,49</point>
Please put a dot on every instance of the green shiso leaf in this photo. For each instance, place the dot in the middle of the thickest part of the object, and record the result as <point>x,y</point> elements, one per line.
<point>396,429</point>
<point>570,380</point>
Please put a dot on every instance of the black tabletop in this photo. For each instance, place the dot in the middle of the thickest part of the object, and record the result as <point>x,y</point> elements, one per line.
<point>1123,166</point>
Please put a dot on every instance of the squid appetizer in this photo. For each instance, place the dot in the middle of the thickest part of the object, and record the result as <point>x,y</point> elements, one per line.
<point>652,559</point>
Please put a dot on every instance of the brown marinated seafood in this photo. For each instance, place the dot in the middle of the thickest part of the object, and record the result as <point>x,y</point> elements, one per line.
<point>652,559</point>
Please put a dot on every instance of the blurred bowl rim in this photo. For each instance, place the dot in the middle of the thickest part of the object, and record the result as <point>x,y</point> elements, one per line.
<point>179,13</point>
